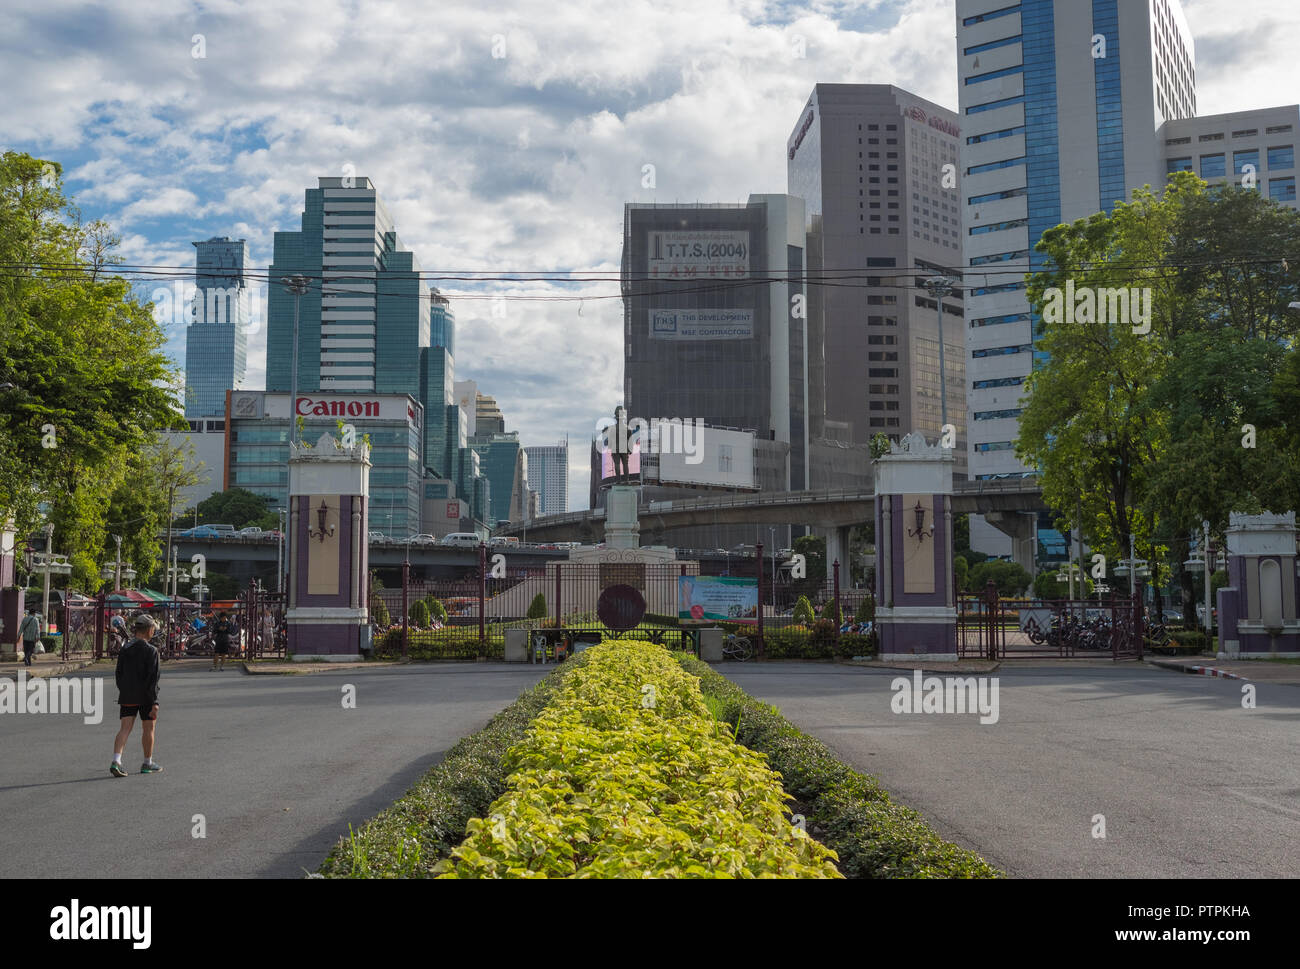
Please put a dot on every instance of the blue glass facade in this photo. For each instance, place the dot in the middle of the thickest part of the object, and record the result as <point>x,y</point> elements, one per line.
<point>216,341</point>
<point>1042,144</point>
<point>1110,106</point>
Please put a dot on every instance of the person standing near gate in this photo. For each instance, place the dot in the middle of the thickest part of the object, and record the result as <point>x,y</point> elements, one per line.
<point>30,633</point>
<point>221,631</point>
<point>138,671</point>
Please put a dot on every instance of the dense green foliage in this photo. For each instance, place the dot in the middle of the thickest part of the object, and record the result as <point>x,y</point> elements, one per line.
<point>803,612</point>
<point>537,608</point>
<point>626,773</point>
<point>816,642</point>
<point>234,506</point>
<point>90,377</point>
<point>419,613</point>
<point>380,611</point>
<point>866,611</point>
<point>872,836</point>
<point>407,839</point>
<point>1011,578</point>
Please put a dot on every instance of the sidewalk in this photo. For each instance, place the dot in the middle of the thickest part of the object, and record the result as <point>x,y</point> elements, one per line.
<point>1260,671</point>
<point>45,664</point>
<point>289,668</point>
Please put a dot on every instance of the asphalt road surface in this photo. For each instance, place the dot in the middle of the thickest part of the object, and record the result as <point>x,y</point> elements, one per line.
<point>275,764</point>
<point>1190,783</point>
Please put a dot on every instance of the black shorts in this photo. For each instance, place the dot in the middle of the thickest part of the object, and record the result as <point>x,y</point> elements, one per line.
<point>220,648</point>
<point>148,713</point>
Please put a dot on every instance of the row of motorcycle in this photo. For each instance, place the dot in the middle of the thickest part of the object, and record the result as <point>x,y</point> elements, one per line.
<point>1071,632</point>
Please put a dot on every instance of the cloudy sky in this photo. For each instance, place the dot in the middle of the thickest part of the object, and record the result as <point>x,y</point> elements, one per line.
<point>510,163</point>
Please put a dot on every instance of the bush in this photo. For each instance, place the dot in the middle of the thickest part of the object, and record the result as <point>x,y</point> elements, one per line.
<point>436,609</point>
<point>380,613</point>
<point>626,773</point>
<point>832,613</point>
<point>450,642</point>
<point>407,839</point>
<point>872,836</point>
<point>419,613</point>
<point>803,612</point>
<point>537,608</point>
<point>866,610</point>
<point>800,642</point>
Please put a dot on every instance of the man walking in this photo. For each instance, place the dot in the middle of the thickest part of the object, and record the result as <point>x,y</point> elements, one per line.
<point>138,671</point>
<point>221,631</point>
<point>30,632</point>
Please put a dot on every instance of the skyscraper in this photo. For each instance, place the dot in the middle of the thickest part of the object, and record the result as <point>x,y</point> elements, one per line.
<point>714,319</point>
<point>548,475</point>
<point>442,322</point>
<point>216,341</point>
<point>1060,102</point>
<point>876,167</point>
<point>364,323</point>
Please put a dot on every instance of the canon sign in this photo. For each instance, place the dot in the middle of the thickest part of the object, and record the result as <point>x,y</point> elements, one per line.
<point>336,408</point>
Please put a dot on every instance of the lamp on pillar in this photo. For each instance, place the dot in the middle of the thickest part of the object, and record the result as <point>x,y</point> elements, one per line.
<point>920,531</point>
<point>321,530</point>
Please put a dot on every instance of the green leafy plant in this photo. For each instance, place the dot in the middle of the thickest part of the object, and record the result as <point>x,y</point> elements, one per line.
<point>537,608</point>
<point>419,613</point>
<point>803,612</point>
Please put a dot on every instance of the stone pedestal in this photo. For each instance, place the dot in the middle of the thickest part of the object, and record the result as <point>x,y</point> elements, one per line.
<point>1259,610</point>
<point>329,488</point>
<point>916,606</point>
<point>622,529</point>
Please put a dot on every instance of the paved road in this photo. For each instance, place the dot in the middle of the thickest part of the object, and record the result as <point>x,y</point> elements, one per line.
<point>1190,783</point>
<point>275,764</point>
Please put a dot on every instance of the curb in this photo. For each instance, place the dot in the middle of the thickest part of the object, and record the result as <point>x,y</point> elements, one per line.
<point>48,671</point>
<point>1199,670</point>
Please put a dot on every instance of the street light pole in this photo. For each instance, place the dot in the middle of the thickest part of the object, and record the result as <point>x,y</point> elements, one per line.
<point>939,287</point>
<point>1205,549</point>
<point>49,557</point>
<point>298,286</point>
<point>117,568</point>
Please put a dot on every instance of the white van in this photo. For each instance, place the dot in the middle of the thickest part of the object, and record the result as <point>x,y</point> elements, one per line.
<point>462,539</point>
<point>499,540</point>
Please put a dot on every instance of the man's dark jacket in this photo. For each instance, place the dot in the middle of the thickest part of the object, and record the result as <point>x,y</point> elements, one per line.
<point>138,671</point>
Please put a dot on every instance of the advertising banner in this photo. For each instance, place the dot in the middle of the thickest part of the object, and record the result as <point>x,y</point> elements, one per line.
<point>697,255</point>
<point>710,598</point>
<point>701,324</point>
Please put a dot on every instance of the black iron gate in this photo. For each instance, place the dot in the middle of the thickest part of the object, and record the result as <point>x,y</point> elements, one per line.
<point>990,627</point>
<point>263,632</point>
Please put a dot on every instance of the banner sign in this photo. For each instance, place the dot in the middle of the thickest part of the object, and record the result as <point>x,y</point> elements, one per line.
<point>701,324</point>
<point>710,598</point>
<point>698,255</point>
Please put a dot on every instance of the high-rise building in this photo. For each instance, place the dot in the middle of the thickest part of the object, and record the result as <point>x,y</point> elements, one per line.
<point>216,341</point>
<point>442,322</point>
<point>1248,148</point>
<point>876,167</point>
<point>713,308</point>
<point>488,418</point>
<point>503,462</point>
<point>548,475</point>
<point>364,324</point>
<point>1060,103</point>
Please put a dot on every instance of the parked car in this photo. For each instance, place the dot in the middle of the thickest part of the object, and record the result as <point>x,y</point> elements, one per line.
<point>252,531</point>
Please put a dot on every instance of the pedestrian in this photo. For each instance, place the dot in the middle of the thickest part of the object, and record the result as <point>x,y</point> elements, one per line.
<point>221,631</point>
<point>30,631</point>
<point>138,670</point>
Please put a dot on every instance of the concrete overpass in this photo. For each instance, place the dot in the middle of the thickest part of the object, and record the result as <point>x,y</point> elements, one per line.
<point>1009,505</point>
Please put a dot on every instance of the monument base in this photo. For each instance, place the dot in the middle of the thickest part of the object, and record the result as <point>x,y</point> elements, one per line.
<point>918,632</point>
<point>334,635</point>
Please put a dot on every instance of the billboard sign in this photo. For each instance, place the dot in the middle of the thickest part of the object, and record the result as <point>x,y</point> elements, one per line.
<point>711,598</point>
<point>384,407</point>
<point>697,255</point>
<point>701,324</point>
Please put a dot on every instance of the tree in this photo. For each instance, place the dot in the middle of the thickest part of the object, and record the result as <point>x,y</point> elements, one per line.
<point>85,357</point>
<point>1011,578</point>
<point>436,609</point>
<point>813,549</point>
<point>419,613</point>
<point>537,608</point>
<point>879,445</point>
<point>960,573</point>
<point>236,506</point>
<point>381,617</point>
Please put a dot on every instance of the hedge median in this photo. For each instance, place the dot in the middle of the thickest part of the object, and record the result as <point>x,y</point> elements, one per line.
<point>873,837</point>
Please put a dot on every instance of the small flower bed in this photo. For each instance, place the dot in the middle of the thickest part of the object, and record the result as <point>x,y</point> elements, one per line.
<point>626,773</point>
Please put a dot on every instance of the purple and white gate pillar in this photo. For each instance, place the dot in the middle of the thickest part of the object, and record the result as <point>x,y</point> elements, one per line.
<point>329,490</point>
<point>1259,611</point>
<point>916,606</point>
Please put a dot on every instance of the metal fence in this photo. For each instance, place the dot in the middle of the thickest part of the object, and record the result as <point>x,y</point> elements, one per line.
<point>991,627</point>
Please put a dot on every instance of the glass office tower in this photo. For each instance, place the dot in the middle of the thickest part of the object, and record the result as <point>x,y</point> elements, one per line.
<point>216,341</point>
